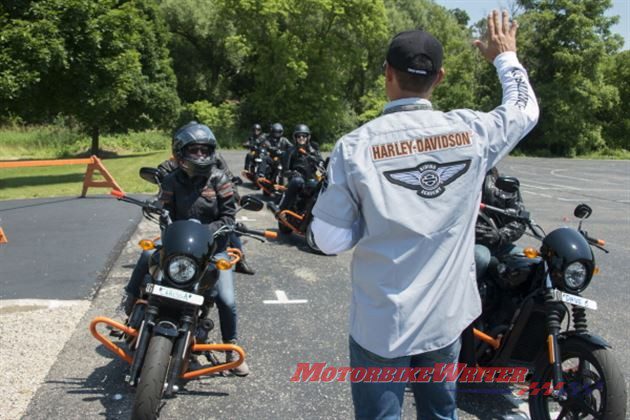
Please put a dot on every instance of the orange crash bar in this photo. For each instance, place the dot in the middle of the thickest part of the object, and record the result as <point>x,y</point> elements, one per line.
<point>107,343</point>
<point>218,368</point>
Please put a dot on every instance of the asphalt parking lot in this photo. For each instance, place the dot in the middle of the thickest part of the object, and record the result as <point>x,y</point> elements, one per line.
<point>84,381</point>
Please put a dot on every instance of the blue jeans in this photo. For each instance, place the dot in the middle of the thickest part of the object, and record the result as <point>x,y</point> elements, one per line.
<point>223,294</point>
<point>483,256</point>
<point>384,400</point>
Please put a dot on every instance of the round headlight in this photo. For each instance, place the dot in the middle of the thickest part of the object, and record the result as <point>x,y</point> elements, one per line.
<point>181,269</point>
<point>575,276</point>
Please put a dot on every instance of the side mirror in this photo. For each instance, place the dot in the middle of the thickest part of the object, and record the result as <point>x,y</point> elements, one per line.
<point>249,202</point>
<point>151,175</point>
<point>582,211</point>
<point>508,184</point>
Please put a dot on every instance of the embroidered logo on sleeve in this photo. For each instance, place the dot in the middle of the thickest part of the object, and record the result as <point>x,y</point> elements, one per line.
<point>430,178</point>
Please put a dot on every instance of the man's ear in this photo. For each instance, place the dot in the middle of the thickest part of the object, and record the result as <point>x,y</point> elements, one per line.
<point>440,76</point>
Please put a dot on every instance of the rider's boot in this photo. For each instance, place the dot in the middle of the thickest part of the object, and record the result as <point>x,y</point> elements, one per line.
<point>243,268</point>
<point>231,356</point>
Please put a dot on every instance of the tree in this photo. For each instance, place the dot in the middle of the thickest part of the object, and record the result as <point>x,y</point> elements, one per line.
<point>564,44</point>
<point>616,122</point>
<point>113,71</point>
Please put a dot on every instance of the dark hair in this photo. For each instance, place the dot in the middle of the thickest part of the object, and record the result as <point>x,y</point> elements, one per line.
<point>416,82</point>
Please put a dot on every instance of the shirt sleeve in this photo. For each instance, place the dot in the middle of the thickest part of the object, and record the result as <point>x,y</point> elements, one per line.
<point>518,113</point>
<point>331,239</point>
<point>336,204</point>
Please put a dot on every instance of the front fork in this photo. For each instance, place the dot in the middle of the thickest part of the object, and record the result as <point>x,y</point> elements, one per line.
<point>554,311</point>
<point>142,343</point>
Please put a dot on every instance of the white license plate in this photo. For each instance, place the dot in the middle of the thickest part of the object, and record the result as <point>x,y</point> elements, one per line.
<point>175,294</point>
<point>576,300</point>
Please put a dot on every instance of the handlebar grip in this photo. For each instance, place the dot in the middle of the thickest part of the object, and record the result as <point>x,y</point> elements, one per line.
<point>117,193</point>
<point>270,235</point>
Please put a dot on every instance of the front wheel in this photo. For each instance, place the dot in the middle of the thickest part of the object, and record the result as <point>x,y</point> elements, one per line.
<point>152,379</point>
<point>594,385</point>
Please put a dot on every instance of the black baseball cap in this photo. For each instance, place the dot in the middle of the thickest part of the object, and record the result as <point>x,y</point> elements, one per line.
<point>415,52</point>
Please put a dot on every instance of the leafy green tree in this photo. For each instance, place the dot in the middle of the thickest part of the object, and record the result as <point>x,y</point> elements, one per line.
<point>308,59</point>
<point>564,44</point>
<point>617,121</point>
<point>111,69</point>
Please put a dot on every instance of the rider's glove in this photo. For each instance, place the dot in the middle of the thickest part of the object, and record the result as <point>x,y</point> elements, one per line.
<point>214,226</point>
<point>488,234</point>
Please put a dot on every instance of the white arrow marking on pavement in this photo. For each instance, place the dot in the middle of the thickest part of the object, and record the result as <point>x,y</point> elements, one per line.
<point>282,299</point>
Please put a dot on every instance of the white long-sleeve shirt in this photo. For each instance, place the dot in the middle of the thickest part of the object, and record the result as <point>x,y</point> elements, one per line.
<point>404,188</point>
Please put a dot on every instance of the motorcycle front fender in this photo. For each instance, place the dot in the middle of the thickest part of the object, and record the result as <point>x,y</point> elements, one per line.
<point>594,339</point>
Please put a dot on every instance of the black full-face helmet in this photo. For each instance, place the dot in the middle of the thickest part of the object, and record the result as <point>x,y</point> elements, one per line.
<point>194,145</point>
<point>301,134</point>
<point>276,130</point>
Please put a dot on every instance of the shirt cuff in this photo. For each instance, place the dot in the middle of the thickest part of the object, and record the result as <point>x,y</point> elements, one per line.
<point>506,61</point>
<point>331,239</point>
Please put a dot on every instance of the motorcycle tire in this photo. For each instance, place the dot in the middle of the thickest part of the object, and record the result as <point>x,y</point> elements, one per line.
<point>594,384</point>
<point>151,386</point>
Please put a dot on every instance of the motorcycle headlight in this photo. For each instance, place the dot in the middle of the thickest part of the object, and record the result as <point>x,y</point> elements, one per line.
<point>575,276</point>
<point>181,269</point>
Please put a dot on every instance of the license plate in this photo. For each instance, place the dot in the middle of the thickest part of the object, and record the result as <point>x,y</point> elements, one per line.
<point>576,300</point>
<point>175,294</point>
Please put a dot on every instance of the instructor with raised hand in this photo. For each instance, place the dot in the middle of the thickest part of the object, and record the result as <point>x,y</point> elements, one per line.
<point>404,188</point>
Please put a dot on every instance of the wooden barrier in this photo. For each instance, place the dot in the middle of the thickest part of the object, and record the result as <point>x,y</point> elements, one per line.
<point>93,164</point>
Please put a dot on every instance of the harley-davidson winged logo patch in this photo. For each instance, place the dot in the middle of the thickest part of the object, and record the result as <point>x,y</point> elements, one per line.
<point>430,178</point>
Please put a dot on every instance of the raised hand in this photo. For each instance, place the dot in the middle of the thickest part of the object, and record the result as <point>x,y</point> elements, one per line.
<point>500,36</point>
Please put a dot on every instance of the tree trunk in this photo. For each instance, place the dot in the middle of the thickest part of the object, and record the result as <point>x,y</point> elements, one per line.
<point>95,136</point>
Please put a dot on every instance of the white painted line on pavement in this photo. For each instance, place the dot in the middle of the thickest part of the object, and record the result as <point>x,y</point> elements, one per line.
<point>555,173</point>
<point>582,200</point>
<point>282,299</point>
<point>9,305</point>
<point>245,219</point>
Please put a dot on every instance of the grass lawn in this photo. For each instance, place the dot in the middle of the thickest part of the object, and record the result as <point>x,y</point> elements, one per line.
<point>53,181</point>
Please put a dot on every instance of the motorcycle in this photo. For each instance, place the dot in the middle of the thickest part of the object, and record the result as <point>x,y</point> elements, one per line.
<point>298,218</point>
<point>254,161</point>
<point>167,327</point>
<point>526,297</point>
<point>269,172</point>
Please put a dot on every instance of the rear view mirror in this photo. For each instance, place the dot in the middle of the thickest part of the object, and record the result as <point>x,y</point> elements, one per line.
<point>508,184</point>
<point>151,175</point>
<point>582,211</point>
<point>251,203</point>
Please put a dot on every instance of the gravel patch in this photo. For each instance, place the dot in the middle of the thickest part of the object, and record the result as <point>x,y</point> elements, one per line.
<point>32,333</point>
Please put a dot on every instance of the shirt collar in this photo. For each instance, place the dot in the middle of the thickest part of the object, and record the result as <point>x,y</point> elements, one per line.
<point>407,101</point>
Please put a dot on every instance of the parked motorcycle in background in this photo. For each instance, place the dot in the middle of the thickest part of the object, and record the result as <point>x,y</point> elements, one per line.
<point>168,325</point>
<point>526,298</point>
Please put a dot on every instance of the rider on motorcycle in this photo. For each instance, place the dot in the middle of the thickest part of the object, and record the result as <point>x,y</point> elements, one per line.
<point>199,189</point>
<point>169,165</point>
<point>495,234</point>
<point>301,165</point>
<point>252,143</point>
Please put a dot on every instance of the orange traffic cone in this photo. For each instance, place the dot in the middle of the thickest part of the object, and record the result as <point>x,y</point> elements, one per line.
<point>3,237</point>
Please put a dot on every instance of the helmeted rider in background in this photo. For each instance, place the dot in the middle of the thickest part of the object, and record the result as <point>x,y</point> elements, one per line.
<point>253,141</point>
<point>495,234</point>
<point>199,189</point>
<point>301,165</point>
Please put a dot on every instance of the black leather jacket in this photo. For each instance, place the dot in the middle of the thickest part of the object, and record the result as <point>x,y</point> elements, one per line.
<point>305,164</point>
<point>492,229</point>
<point>210,200</point>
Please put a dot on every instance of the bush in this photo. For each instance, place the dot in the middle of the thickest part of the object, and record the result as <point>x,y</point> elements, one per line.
<point>221,120</point>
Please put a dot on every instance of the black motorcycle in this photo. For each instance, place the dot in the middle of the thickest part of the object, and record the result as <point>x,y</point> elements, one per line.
<point>526,297</point>
<point>298,218</point>
<point>168,327</point>
<point>269,171</point>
